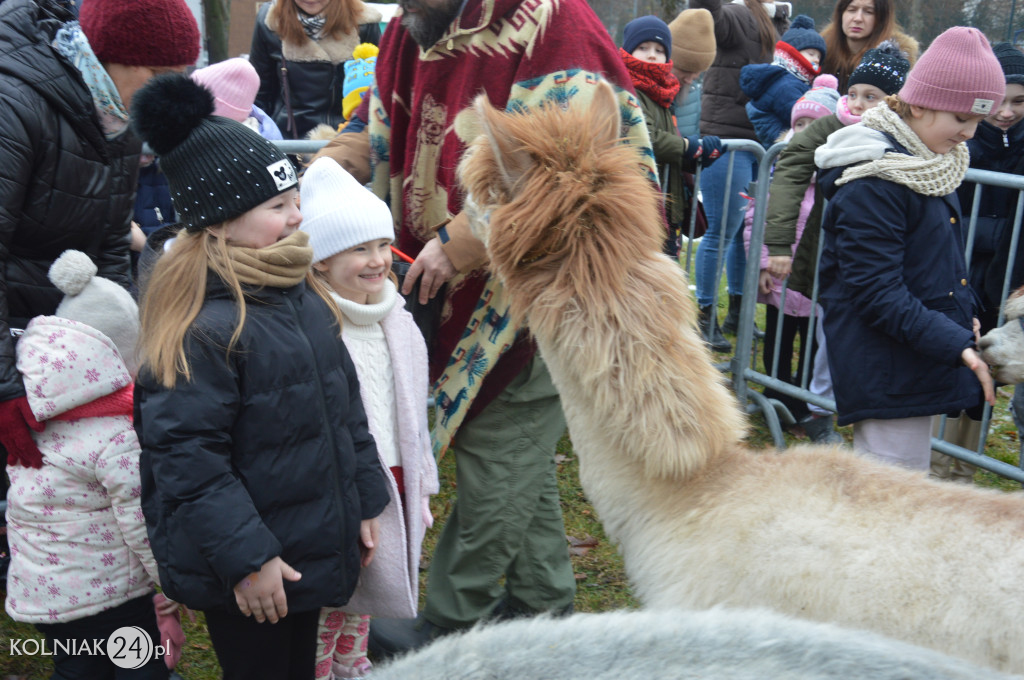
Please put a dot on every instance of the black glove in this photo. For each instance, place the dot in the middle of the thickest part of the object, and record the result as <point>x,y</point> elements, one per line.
<point>704,149</point>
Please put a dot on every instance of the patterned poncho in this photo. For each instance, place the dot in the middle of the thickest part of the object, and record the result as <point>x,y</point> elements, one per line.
<point>521,54</point>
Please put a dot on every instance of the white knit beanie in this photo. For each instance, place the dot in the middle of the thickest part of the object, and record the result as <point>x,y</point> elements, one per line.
<point>339,212</point>
<point>97,302</point>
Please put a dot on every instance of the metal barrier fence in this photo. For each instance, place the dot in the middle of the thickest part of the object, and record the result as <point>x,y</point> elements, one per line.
<point>742,364</point>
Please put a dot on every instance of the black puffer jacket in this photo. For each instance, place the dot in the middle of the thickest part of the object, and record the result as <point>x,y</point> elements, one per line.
<point>62,184</point>
<point>315,73</point>
<point>723,105</point>
<point>264,453</point>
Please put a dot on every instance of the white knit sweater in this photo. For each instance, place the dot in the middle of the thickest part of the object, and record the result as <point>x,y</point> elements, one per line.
<point>364,338</point>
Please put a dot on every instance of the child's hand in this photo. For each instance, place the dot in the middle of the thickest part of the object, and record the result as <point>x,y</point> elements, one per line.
<point>976,327</point>
<point>369,533</point>
<point>765,283</point>
<point>974,362</point>
<point>780,266</point>
<point>261,593</point>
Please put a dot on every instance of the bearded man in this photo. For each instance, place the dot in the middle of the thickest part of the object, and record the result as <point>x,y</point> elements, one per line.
<point>502,551</point>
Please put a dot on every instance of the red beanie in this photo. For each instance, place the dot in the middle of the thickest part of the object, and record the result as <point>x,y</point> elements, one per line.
<point>957,73</point>
<point>157,33</point>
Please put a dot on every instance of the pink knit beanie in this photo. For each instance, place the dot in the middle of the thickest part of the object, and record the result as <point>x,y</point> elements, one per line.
<point>957,73</point>
<point>234,83</point>
<point>155,33</point>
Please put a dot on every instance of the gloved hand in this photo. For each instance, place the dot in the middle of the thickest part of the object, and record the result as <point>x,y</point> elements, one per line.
<point>705,149</point>
<point>16,419</point>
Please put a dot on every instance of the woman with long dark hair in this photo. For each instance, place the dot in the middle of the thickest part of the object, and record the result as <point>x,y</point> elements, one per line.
<point>746,32</point>
<point>856,27</point>
<point>299,48</point>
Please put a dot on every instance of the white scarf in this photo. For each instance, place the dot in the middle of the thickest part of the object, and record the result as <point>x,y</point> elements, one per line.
<point>924,171</point>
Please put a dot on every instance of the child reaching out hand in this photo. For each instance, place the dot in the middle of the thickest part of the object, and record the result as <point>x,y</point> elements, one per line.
<point>899,313</point>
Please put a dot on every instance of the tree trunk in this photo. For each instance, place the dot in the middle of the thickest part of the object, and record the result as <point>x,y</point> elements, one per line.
<point>217,14</point>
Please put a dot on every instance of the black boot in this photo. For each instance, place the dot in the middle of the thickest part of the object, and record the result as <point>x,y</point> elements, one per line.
<point>711,332</point>
<point>732,318</point>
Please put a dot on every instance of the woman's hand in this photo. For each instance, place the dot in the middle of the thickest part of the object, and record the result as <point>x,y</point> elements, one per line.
<point>369,533</point>
<point>261,593</point>
<point>974,362</point>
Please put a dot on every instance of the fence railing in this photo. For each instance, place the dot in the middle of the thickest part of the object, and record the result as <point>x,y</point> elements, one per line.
<point>742,365</point>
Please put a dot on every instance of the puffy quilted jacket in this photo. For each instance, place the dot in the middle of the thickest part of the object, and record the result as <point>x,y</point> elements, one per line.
<point>62,184</point>
<point>265,452</point>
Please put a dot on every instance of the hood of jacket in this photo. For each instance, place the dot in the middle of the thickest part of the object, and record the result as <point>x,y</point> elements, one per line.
<point>67,364</point>
<point>848,146</point>
<point>757,79</point>
<point>27,29</point>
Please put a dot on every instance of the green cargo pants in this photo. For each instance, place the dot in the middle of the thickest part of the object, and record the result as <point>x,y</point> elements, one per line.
<point>507,520</point>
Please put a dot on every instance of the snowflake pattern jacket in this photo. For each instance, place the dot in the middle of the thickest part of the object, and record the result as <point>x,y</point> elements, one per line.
<point>77,533</point>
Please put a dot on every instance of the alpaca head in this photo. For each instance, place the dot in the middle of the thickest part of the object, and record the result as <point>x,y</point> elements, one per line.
<point>1003,347</point>
<point>559,198</point>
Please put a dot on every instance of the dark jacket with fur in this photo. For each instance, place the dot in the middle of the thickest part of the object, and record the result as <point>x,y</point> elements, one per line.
<point>898,308</point>
<point>263,453</point>
<point>62,184</point>
<point>315,73</point>
<point>722,104</point>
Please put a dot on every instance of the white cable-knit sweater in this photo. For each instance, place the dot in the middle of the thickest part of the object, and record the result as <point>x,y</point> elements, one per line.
<point>391,361</point>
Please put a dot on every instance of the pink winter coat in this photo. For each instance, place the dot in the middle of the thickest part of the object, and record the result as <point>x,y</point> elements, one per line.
<point>77,534</point>
<point>389,587</point>
<point>796,303</point>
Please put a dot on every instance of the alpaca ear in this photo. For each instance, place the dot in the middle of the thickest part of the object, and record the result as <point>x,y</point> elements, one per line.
<point>605,114</point>
<point>1013,308</point>
<point>512,160</point>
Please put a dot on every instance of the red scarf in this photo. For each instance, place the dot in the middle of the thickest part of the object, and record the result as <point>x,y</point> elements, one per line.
<point>655,80</point>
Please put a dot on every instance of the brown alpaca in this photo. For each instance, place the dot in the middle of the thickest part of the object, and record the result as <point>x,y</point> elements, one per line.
<point>574,233</point>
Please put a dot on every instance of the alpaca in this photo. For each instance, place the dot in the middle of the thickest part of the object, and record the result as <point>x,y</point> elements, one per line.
<point>1003,348</point>
<point>574,231</point>
<point>668,644</point>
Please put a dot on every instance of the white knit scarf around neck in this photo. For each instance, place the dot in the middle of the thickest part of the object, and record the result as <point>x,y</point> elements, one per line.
<point>924,171</point>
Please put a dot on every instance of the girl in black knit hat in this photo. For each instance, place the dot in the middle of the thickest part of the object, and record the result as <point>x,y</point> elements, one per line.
<point>260,480</point>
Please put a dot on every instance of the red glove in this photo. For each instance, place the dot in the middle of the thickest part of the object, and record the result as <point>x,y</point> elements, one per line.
<point>16,419</point>
<point>171,634</point>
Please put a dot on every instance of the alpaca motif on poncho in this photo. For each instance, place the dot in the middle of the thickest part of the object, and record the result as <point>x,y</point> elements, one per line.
<point>515,52</point>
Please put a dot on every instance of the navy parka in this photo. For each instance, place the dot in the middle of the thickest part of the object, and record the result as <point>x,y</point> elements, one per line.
<point>898,307</point>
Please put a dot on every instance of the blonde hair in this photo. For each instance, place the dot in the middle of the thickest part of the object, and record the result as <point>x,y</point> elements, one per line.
<point>898,106</point>
<point>174,296</point>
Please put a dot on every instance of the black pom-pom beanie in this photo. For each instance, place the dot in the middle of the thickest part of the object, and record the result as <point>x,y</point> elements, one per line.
<point>217,168</point>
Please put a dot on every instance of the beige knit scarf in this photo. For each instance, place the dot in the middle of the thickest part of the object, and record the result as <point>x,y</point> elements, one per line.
<point>281,265</point>
<point>925,172</point>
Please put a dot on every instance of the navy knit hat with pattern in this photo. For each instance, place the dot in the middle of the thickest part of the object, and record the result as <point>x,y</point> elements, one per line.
<point>802,36</point>
<point>218,169</point>
<point>642,29</point>
<point>1012,61</point>
<point>885,67</point>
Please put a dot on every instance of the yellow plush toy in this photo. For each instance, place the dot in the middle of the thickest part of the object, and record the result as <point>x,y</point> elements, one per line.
<point>358,77</point>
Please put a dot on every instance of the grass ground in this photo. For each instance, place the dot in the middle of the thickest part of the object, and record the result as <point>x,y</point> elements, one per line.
<point>600,577</point>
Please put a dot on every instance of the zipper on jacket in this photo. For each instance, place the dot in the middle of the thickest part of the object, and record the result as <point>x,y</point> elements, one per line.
<point>1006,139</point>
<point>323,405</point>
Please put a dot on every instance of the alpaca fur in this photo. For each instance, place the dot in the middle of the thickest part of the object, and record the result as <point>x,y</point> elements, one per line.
<point>1003,348</point>
<point>720,644</point>
<point>573,231</point>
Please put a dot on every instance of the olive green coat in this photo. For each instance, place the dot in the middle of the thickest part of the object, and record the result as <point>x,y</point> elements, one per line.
<point>669,151</point>
<point>792,176</point>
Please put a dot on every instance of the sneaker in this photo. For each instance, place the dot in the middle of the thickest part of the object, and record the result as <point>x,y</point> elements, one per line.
<point>391,637</point>
<point>819,429</point>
